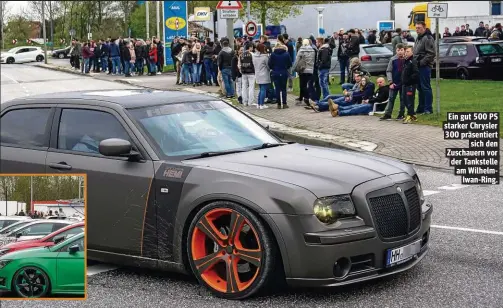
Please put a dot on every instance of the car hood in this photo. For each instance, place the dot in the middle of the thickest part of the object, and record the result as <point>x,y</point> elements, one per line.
<point>323,171</point>
<point>26,253</point>
<point>6,54</point>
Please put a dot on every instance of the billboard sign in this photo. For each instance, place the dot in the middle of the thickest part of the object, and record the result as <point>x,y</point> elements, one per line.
<point>175,18</point>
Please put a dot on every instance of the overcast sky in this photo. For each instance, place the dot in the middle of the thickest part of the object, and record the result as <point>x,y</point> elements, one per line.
<point>15,7</point>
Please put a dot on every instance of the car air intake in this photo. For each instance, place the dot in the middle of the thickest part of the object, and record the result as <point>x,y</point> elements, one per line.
<point>414,209</point>
<point>391,217</point>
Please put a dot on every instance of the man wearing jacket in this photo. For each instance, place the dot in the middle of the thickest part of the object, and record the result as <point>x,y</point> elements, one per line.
<point>324,64</point>
<point>105,53</point>
<point>480,31</point>
<point>248,72</point>
<point>115,55</point>
<point>394,75</point>
<point>354,44</point>
<point>290,44</point>
<point>367,104</point>
<point>76,53</point>
<point>224,61</point>
<point>424,54</point>
<point>411,76</point>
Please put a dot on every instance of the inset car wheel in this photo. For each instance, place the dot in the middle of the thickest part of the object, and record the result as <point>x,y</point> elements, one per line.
<point>10,60</point>
<point>61,55</point>
<point>230,250</point>
<point>40,58</point>
<point>30,282</point>
<point>463,74</point>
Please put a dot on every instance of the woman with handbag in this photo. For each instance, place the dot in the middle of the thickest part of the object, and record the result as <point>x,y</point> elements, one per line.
<point>304,66</point>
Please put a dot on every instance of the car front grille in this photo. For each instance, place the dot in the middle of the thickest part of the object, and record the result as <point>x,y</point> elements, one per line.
<point>395,218</point>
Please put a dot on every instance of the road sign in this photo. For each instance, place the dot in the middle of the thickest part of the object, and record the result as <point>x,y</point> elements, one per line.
<point>202,14</point>
<point>251,28</point>
<point>228,14</point>
<point>72,32</point>
<point>89,36</point>
<point>229,5</point>
<point>437,10</point>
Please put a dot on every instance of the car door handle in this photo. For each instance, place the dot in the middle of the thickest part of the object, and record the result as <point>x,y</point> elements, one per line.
<point>60,166</point>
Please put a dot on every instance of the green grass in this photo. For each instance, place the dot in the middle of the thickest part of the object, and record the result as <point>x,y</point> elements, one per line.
<point>455,96</point>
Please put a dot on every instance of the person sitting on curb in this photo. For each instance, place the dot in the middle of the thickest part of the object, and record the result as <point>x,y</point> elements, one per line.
<point>354,67</point>
<point>351,97</point>
<point>366,106</point>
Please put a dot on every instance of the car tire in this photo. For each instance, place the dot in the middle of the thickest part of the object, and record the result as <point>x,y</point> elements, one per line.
<point>10,60</point>
<point>463,74</point>
<point>218,266</point>
<point>39,283</point>
<point>61,55</point>
<point>39,58</point>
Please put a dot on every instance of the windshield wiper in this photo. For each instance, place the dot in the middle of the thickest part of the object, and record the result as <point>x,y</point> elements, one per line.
<point>215,153</point>
<point>268,145</point>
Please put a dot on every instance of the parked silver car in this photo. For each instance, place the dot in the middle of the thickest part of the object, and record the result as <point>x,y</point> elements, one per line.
<point>374,59</point>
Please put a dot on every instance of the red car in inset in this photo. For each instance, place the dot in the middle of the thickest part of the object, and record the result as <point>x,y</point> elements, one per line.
<point>46,241</point>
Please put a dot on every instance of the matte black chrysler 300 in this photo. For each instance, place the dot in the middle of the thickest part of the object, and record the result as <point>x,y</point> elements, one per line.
<point>184,182</point>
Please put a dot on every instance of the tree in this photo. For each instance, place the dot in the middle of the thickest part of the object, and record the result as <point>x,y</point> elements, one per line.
<point>18,28</point>
<point>274,11</point>
<point>138,21</point>
<point>3,15</point>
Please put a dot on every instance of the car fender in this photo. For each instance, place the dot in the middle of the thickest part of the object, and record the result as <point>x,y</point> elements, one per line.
<point>47,265</point>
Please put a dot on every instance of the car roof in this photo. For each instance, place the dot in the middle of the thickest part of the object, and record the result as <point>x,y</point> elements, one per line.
<point>14,217</point>
<point>44,221</point>
<point>127,98</point>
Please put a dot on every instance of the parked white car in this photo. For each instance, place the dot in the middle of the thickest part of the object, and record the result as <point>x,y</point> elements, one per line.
<point>22,54</point>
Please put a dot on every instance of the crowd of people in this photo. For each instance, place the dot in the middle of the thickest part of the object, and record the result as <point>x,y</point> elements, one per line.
<point>484,30</point>
<point>41,214</point>
<point>118,56</point>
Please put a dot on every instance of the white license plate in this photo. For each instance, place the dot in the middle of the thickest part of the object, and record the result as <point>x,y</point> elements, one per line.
<point>382,60</point>
<point>403,254</point>
<point>496,60</point>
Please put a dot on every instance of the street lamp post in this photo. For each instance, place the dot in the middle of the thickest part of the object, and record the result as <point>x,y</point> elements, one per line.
<point>45,35</point>
<point>320,19</point>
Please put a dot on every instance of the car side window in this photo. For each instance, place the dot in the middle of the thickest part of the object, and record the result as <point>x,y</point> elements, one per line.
<point>22,50</point>
<point>458,51</point>
<point>82,130</point>
<point>32,49</point>
<point>38,229</point>
<point>79,242</point>
<point>57,226</point>
<point>25,127</point>
<point>443,50</point>
<point>68,233</point>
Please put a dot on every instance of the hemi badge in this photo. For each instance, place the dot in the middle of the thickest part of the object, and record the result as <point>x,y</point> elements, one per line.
<point>164,190</point>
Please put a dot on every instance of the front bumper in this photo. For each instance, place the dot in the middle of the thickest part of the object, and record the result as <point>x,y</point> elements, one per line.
<point>314,258</point>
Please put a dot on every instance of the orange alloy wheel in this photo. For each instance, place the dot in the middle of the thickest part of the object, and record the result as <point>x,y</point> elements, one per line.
<point>226,250</point>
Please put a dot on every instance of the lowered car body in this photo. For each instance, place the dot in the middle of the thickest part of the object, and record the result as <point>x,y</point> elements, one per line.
<point>199,187</point>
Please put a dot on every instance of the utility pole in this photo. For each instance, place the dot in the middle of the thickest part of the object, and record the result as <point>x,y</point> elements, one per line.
<point>248,14</point>
<point>31,192</point>
<point>45,34</point>
<point>147,19</point>
<point>158,18</point>
<point>437,64</point>
<point>79,188</point>
<point>52,25</point>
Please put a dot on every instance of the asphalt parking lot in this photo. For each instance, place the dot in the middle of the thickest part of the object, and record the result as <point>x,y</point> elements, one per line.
<point>464,267</point>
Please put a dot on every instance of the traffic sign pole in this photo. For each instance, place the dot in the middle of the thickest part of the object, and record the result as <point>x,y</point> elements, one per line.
<point>230,5</point>
<point>437,10</point>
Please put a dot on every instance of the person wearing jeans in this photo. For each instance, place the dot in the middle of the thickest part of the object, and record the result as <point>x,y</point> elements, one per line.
<point>86,56</point>
<point>324,64</point>
<point>394,75</point>
<point>262,74</point>
<point>208,53</point>
<point>424,54</point>
<point>410,78</point>
<point>197,63</point>
<point>224,61</point>
<point>280,64</point>
<point>343,57</point>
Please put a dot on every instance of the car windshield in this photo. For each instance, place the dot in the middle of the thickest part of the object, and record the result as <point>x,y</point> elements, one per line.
<point>376,50</point>
<point>12,50</point>
<point>489,49</point>
<point>188,129</point>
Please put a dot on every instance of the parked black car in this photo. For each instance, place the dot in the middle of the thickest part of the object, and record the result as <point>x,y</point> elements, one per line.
<point>458,39</point>
<point>61,53</point>
<point>469,60</point>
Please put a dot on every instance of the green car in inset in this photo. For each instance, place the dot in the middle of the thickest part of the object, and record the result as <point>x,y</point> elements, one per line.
<point>40,272</point>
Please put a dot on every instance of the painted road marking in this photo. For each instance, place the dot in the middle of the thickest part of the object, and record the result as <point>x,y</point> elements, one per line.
<point>12,79</point>
<point>467,230</point>
<point>99,268</point>
<point>453,187</point>
<point>430,192</point>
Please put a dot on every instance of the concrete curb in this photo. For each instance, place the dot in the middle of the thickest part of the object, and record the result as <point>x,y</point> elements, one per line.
<point>292,135</point>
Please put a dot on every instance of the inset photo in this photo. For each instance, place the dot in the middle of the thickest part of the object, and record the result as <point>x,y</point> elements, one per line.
<point>43,237</point>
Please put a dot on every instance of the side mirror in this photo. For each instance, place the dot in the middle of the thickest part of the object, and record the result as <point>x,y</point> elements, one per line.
<point>73,249</point>
<point>19,235</point>
<point>58,239</point>
<point>267,127</point>
<point>118,147</point>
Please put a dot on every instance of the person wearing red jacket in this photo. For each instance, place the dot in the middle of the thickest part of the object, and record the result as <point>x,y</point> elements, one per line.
<point>153,59</point>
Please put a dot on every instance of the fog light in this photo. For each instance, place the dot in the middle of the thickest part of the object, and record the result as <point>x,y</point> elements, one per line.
<point>342,267</point>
